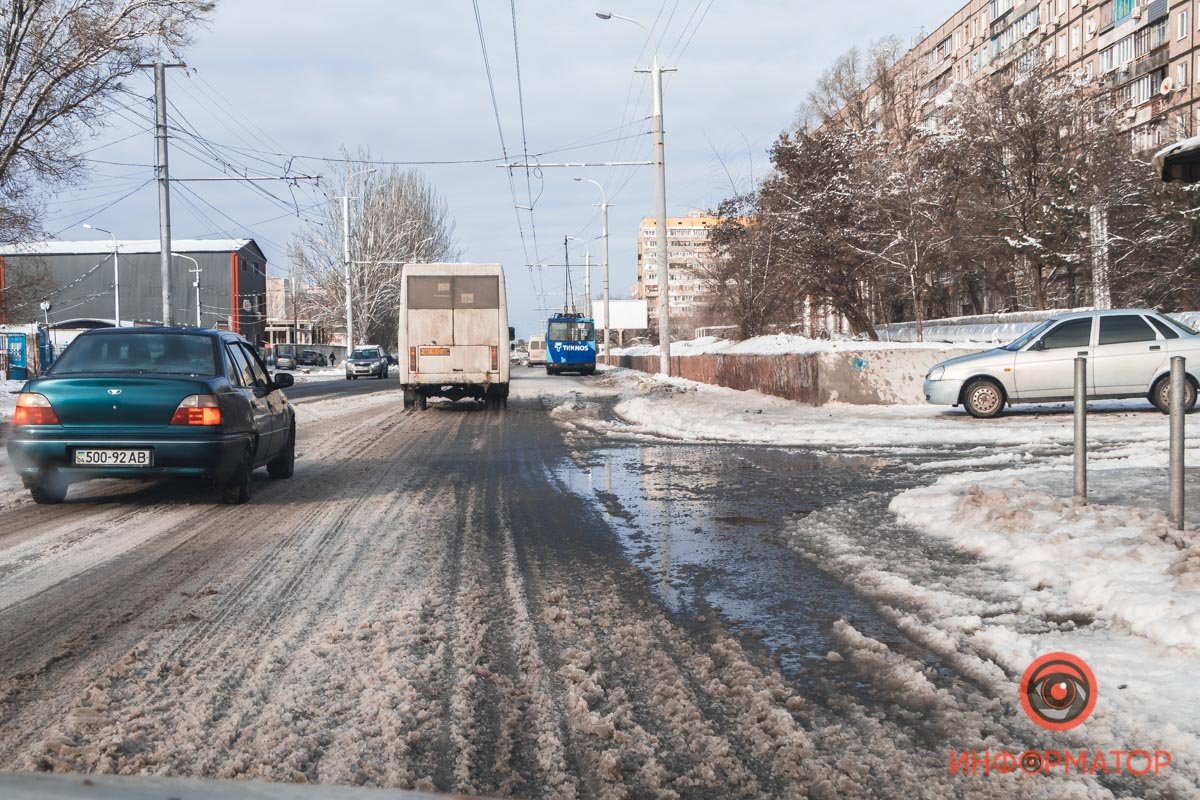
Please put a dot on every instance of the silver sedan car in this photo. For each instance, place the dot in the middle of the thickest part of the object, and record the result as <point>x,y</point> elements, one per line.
<point>1128,351</point>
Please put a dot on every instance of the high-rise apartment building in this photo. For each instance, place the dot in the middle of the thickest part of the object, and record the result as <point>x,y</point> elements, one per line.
<point>688,253</point>
<point>1146,52</point>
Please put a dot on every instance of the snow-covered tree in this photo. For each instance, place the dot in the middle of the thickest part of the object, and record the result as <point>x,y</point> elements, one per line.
<point>396,217</point>
<point>59,62</point>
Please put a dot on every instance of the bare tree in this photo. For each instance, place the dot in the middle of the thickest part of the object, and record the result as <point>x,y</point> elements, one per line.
<point>396,218</point>
<point>61,61</point>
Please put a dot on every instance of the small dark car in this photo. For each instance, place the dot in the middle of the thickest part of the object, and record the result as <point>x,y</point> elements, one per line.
<point>153,402</point>
<point>310,358</point>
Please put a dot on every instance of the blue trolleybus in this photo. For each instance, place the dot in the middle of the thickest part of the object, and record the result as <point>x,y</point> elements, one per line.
<point>570,344</point>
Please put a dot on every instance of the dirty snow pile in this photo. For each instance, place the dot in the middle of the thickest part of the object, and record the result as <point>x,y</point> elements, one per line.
<point>307,374</point>
<point>1122,564</point>
<point>775,344</point>
<point>682,410</point>
<point>8,398</point>
<point>993,563</point>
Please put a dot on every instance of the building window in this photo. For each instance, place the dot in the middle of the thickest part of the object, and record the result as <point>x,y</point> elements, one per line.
<point>1181,71</point>
<point>1184,24</point>
<point>1062,45</point>
<point>1075,37</point>
<point>1123,9</point>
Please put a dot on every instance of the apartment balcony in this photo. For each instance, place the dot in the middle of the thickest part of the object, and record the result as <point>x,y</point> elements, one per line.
<point>1154,60</point>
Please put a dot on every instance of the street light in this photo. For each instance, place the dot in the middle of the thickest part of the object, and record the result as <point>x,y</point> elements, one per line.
<point>604,236</point>
<point>664,278</point>
<point>196,283</point>
<point>116,275</point>
<point>346,254</point>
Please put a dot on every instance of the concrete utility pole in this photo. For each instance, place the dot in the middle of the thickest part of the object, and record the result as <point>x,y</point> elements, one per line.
<point>604,236</point>
<point>346,257</point>
<point>660,194</point>
<point>116,274</point>
<point>164,185</point>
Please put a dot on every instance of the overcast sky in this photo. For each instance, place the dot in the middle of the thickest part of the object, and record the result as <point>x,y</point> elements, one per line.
<point>407,80</point>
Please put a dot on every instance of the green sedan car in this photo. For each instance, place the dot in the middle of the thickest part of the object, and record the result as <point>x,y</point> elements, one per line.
<point>150,403</point>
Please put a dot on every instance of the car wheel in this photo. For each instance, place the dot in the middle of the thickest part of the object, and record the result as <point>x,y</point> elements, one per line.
<point>284,465</point>
<point>422,402</point>
<point>983,398</point>
<point>49,490</point>
<point>237,489</point>
<point>409,398</point>
<point>1160,395</point>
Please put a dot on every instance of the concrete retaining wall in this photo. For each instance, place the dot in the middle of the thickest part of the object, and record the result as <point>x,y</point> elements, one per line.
<point>864,377</point>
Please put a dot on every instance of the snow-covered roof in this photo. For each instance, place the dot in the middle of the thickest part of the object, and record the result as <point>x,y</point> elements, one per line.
<point>131,246</point>
<point>1185,147</point>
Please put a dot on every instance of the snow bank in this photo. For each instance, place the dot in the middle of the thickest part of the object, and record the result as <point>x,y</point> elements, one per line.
<point>1123,564</point>
<point>8,398</point>
<point>683,410</point>
<point>776,344</point>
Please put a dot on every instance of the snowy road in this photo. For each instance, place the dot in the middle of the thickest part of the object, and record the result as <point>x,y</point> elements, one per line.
<point>471,601</point>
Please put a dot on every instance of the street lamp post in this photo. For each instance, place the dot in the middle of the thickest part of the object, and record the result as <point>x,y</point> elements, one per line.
<point>604,236</point>
<point>346,255</point>
<point>195,270</point>
<point>660,186</point>
<point>116,275</point>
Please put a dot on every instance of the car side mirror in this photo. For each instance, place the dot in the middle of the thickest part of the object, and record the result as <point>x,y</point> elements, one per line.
<point>283,380</point>
<point>1040,344</point>
<point>512,333</point>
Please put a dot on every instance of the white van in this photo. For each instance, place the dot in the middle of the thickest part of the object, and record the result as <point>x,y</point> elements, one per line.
<point>537,351</point>
<point>454,335</point>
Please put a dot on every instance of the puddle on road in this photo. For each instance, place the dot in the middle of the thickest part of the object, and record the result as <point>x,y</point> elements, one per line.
<point>706,525</point>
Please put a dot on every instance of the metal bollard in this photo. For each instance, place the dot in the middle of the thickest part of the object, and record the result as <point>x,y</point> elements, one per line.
<point>1081,428</point>
<point>1178,392</point>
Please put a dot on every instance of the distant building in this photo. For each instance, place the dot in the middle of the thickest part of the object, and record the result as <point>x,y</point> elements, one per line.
<point>1146,52</point>
<point>77,279</point>
<point>688,253</point>
<point>288,321</point>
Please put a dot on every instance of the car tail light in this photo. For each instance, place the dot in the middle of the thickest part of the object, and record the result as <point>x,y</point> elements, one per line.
<point>412,359</point>
<point>495,356</point>
<point>34,409</point>
<point>197,409</point>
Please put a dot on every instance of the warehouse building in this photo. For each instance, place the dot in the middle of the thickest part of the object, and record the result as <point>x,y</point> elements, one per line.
<point>77,280</point>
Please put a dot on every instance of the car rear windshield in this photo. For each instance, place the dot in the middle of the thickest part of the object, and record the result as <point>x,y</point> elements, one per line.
<point>157,353</point>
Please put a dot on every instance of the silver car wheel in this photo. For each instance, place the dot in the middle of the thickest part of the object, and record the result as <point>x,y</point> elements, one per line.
<point>984,399</point>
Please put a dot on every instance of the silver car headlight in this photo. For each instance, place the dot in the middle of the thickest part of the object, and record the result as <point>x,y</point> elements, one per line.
<point>936,374</point>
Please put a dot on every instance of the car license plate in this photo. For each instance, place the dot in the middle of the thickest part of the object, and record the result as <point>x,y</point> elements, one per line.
<point>435,351</point>
<point>113,458</point>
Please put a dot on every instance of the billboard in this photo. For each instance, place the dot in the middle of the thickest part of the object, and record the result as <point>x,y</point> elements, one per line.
<point>629,315</point>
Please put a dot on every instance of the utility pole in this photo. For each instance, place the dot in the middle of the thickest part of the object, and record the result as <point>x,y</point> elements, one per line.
<point>295,308</point>
<point>660,193</point>
<point>660,196</point>
<point>164,184</point>
<point>604,236</point>
<point>345,198</point>
<point>587,282</point>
